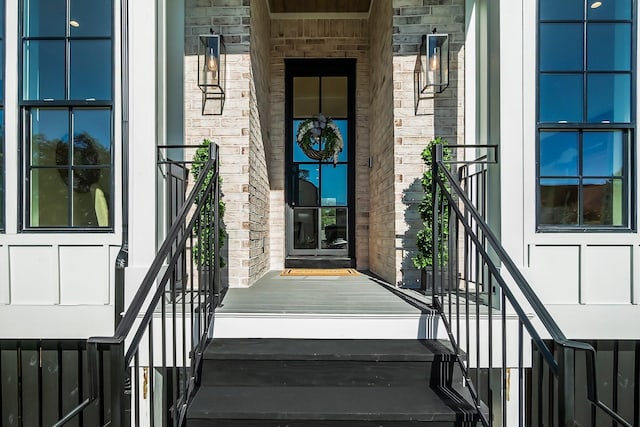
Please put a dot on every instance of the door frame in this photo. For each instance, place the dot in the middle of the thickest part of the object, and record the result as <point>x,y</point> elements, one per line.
<point>325,67</point>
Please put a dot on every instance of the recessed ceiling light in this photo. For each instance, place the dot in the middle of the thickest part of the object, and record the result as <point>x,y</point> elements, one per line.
<point>596,4</point>
<point>74,23</point>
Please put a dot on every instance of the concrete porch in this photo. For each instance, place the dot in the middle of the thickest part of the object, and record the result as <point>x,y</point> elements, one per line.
<point>361,306</point>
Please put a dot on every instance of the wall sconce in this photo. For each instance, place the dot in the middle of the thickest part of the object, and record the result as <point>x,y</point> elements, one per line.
<point>211,73</point>
<point>431,74</point>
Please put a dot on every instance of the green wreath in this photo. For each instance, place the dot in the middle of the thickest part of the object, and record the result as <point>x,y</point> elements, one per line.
<point>324,133</point>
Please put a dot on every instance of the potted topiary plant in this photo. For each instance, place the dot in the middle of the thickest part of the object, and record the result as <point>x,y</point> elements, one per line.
<point>424,259</point>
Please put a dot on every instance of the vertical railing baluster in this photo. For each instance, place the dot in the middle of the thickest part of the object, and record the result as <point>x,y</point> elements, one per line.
<point>136,387</point>
<point>152,402</point>
<point>505,367</point>
<point>490,350</point>
<point>521,378</point>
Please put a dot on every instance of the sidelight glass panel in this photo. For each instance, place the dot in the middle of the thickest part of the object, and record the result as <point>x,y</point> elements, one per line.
<point>561,47</point>
<point>305,228</point>
<point>90,18</point>
<point>559,201</point>
<point>609,47</point>
<point>602,153</point>
<point>334,228</point>
<point>45,18</point>
<point>609,98</point>
<point>559,154</point>
<point>334,97</point>
<point>561,98</point>
<point>90,69</point>
<point>306,99</point>
<point>602,201</point>
<point>334,185</point>
<point>44,70</point>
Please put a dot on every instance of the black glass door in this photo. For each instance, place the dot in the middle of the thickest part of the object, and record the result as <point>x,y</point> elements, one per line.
<point>320,157</point>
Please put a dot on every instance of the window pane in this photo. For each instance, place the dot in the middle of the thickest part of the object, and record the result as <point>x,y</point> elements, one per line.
<point>90,18</point>
<point>602,199</point>
<point>559,154</point>
<point>92,128</point>
<point>44,75</point>
<point>334,97</point>
<point>90,204</point>
<point>334,227</point>
<point>49,198</point>
<point>561,9</point>
<point>49,137</point>
<point>305,228</point>
<point>308,183</point>
<point>342,126</point>
<point>561,47</point>
<point>1,168</point>
<point>45,18</point>
<point>334,185</point>
<point>1,68</point>
<point>560,98</point>
<point>609,47</point>
<point>602,153</point>
<point>558,201</point>
<point>609,98</point>
<point>306,96</point>
<point>90,69</point>
<point>615,9</point>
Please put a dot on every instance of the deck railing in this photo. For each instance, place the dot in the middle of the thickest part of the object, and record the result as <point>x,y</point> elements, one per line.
<point>166,325</point>
<point>495,320</point>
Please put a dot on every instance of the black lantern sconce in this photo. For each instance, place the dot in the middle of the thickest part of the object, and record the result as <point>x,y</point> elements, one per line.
<point>211,73</point>
<point>431,74</point>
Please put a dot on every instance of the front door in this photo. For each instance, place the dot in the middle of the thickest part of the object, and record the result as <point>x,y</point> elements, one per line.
<point>320,112</point>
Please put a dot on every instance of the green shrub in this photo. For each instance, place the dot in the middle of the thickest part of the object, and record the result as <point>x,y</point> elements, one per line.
<point>424,258</point>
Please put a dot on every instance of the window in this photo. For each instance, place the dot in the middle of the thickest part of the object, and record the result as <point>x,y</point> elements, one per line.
<point>585,114</point>
<point>2,116</point>
<point>67,113</point>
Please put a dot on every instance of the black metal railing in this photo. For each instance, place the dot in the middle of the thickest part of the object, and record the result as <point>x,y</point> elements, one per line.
<point>156,349</point>
<point>495,320</point>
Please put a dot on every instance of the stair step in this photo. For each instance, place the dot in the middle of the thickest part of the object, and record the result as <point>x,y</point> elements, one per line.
<point>283,405</point>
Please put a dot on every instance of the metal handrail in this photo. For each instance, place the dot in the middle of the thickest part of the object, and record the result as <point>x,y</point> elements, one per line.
<point>451,188</point>
<point>151,290</point>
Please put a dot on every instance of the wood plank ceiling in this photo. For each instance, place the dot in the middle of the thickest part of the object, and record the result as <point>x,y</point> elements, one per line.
<point>319,6</point>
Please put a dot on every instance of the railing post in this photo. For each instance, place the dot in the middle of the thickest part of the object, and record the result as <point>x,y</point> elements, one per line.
<point>436,156</point>
<point>120,388</point>
<point>566,386</point>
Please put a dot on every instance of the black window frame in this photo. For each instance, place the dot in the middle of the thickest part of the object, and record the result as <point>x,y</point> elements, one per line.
<point>26,106</point>
<point>628,128</point>
<point>2,121</point>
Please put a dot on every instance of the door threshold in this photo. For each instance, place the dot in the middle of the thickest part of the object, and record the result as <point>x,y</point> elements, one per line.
<point>319,262</point>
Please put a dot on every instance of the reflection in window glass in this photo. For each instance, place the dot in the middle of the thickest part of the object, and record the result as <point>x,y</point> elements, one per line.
<point>602,201</point>
<point>49,130</point>
<point>617,9</point>
<point>49,200</point>
<point>562,47</point>
<point>305,228</point>
<point>561,10</point>
<point>558,201</point>
<point>558,154</point>
<point>334,185</point>
<point>90,69</point>
<point>90,18</point>
<point>560,98</point>
<point>334,228</point>
<point>306,99</point>
<point>609,98</point>
<point>334,97</point>
<point>44,65</point>
<point>609,47</point>
<point>308,184</point>
<point>96,125</point>
<point>45,18</point>
<point>603,153</point>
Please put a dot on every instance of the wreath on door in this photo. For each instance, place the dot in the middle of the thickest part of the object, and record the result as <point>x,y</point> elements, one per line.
<point>320,132</point>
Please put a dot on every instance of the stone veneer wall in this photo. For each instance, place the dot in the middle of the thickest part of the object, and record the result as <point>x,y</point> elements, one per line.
<point>260,123</point>
<point>319,38</point>
<point>231,130</point>
<point>382,213</point>
<point>440,116</point>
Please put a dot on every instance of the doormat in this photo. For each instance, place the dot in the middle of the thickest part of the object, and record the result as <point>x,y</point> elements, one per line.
<point>320,272</point>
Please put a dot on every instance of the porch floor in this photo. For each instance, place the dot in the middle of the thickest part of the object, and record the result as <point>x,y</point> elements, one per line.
<point>353,295</point>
